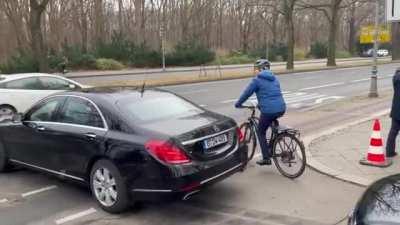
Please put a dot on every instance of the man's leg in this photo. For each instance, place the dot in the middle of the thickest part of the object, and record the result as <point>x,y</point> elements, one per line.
<point>391,142</point>
<point>264,123</point>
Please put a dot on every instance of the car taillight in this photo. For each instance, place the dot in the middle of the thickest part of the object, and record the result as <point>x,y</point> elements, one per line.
<point>166,152</point>
<point>240,135</point>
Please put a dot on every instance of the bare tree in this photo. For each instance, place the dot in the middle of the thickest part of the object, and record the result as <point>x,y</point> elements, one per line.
<point>396,40</point>
<point>287,10</point>
<point>15,11</point>
<point>331,10</point>
<point>37,42</point>
<point>225,24</point>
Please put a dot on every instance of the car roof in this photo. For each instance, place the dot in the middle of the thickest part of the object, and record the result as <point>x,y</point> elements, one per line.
<point>385,192</point>
<point>115,93</point>
<point>10,77</point>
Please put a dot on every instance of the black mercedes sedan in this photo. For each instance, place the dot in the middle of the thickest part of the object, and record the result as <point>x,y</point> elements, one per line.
<point>128,145</point>
<point>379,205</point>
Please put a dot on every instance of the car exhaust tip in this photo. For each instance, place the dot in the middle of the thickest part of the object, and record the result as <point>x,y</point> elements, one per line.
<point>189,195</point>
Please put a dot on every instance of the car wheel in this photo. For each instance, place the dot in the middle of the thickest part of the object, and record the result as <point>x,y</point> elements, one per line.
<point>108,187</point>
<point>4,165</point>
<point>6,112</point>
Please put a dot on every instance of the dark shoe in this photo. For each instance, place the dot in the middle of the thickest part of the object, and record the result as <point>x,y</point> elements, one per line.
<point>264,162</point>
<point>390,155</point>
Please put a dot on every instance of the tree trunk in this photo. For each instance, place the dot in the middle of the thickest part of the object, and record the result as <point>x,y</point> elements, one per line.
<point>84,26</point>
<point>396,40</point>
<point>333,33</point>
<point>37,43</point>
<point>290,45</point>
<point>288,8</point>
<point>352,30</point>
<point>274,28</point>
<point>120,16</point>
<point>99,21</point>
<point>220,26</point>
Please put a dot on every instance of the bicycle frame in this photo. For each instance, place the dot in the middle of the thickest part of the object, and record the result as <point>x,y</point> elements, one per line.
<point>253,121</point>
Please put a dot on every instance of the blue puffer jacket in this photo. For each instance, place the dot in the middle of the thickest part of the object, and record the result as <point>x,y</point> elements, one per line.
<point>268,91</point>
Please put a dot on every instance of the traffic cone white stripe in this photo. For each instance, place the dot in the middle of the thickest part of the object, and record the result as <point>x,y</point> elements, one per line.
<point>376,135</point>
<point>375,150</point>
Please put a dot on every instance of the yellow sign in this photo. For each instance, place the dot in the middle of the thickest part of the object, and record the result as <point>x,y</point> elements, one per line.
<point>368,32</point>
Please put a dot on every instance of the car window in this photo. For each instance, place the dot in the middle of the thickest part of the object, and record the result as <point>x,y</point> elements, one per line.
<point>81,112</point>
<point>46,111</point>
<point>26,84</point>
<point>156,108</point>
<point>52,83</point>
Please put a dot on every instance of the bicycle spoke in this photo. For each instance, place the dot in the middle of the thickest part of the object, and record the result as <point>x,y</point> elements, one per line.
<point>281,147</point>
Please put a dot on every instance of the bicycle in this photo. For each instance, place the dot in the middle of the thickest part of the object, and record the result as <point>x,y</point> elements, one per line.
<point>284,142</point>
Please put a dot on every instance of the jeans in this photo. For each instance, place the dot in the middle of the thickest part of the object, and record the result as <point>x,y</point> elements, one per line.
<point>264,124</point>
<point>391,141</point>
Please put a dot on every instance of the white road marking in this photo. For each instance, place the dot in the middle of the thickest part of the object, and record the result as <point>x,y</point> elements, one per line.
<point>229,101</point>
<point>297,99</point>
<point>360,80</point>
<point>4,200</point>
<point>294,94</point>
<point>38,191</point>
<point>320,100</point>
<point>305,98</point>
<point>322,86</point>
<point>203,106</point>
<point>75,216</point>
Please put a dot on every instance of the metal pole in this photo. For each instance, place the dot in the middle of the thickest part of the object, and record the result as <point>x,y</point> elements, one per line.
<point>373,92</point>
<point>163,32</point>
<point>266,47</point>
<point>163,46</point>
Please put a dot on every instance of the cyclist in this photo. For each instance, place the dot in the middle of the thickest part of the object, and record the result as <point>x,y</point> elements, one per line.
<point>270,102</point>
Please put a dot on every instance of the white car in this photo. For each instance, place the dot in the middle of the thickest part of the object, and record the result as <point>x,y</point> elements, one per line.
<point>382,52</point>
<point>18,92</point>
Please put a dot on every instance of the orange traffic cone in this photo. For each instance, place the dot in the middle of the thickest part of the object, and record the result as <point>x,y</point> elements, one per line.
<point>376,155</point>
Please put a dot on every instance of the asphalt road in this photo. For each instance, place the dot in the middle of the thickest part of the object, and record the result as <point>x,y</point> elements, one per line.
<point>260,195</point>
<point>301,90</point>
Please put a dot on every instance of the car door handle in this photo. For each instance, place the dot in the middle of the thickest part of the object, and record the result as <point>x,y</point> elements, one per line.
<point>40,128</point>
<point>90,136</point>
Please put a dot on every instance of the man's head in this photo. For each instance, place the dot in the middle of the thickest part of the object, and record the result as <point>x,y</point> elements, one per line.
<point>397,71</point>
<point>261,64</point>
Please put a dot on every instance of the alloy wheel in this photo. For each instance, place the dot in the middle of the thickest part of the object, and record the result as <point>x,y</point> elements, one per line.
<point>105,187</point>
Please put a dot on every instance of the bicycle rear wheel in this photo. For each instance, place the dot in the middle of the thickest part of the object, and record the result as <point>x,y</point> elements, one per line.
<point>249,139</point>
<point>289,155</point>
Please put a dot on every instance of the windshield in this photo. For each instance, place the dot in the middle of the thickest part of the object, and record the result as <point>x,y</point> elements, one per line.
<point>156,107</point>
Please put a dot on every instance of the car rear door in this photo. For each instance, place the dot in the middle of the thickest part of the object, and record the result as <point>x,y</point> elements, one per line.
<point>81,131</point>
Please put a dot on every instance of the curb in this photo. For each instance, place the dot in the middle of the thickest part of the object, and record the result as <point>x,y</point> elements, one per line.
<point>321,168</point>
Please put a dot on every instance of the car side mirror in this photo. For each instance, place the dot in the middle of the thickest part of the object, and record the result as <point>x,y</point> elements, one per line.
<point>17,118</point>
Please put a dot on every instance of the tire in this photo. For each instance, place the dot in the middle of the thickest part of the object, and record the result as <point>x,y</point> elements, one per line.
<point>6,112</point>
<point>112,195</point>
<point>4,164</point>
<point>250,140</point>
<point>283,145</point>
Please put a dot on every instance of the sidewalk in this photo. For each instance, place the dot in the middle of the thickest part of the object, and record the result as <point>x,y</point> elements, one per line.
<point>340,152</point>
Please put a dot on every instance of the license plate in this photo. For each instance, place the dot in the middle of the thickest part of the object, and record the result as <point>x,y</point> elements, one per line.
<point>214,141</point>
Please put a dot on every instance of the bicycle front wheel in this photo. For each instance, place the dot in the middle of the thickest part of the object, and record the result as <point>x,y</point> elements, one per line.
<point>249,139</point>
<point>289,155</point>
